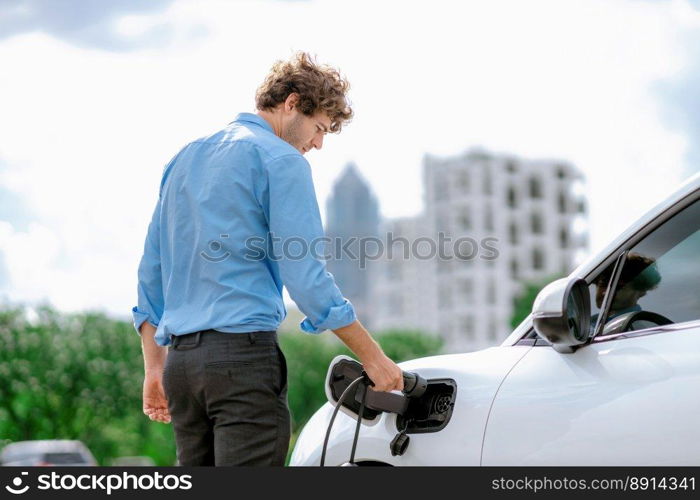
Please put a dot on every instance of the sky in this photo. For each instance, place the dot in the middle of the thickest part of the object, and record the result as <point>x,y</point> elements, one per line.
<point>96,97</point>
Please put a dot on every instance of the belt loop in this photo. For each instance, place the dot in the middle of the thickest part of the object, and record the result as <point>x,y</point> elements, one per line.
<point>198,338</point>
<point>251,337</point>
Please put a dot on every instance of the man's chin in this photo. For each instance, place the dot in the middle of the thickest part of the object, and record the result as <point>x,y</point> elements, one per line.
<point>298,148</point>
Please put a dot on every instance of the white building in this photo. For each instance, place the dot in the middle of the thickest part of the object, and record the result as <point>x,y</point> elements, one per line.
<point>504,222</point>
<point>397,285</point>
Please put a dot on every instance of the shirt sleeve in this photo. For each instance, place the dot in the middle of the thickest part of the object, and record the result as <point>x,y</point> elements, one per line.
<point>297,241</point>
<point>150,301</point>
<point>150,282</point>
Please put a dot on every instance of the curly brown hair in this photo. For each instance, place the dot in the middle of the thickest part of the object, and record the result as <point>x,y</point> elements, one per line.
<point>320,88</point>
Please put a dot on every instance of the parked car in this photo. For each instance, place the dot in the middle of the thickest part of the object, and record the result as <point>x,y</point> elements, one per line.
<point>565,388</point>
<point>136,461</point>
<point>47,453</point>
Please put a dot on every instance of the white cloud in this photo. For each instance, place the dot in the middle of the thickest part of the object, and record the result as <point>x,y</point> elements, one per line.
<point>134,25</point>
<point>87,132</point>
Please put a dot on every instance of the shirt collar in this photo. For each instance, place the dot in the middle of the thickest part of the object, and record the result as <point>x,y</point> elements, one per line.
<point>253,118</point>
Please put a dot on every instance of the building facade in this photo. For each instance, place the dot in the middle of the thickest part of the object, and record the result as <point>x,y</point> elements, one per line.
<point>495,222</point>
<point>352,212</point>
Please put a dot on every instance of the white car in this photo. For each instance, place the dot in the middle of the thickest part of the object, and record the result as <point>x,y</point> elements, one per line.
<point>564,388</point>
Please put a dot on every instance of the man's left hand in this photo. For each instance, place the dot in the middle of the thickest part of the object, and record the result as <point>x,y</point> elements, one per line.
<point>155,404</point>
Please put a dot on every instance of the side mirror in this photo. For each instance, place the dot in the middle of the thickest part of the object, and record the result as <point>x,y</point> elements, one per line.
<point>561,314</point>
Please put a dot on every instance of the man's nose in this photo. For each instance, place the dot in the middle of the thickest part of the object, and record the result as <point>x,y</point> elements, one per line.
<point>318,141</point>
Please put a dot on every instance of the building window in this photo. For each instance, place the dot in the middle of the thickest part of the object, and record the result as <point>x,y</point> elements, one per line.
<point>464,221</point>
<point>563,238</point>
<point>561,172</point>
<point>514,271</point>
<point>535,187</point>
<point>493,329</point>
<point>565,265</point>
<point>468,327</point>
<point>441,187</point>
<point>513,233</point>
<point>463,181</point>
<point>511,167</point>
<point>536,223</point>
<point>444,298</point>
<point>488,185</point>
<point>512,198</point>
<point>467,288</point>
<point>562,203</point>
<point>442,222</point>
<point>537,259</point>
<point>491,292</point>
<point>488,218</point>
<point>444,266</point>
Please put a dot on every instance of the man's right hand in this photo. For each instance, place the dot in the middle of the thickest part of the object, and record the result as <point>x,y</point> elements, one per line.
<point>383,372</point>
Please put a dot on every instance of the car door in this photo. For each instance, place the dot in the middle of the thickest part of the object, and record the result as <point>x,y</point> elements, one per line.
<point>627,398</point>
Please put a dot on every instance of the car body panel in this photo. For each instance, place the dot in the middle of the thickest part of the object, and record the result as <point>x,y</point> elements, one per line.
<point>631,401</point>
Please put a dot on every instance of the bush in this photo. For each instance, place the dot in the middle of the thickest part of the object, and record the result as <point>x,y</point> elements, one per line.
<point>80,376</point>
<point>76,376</point>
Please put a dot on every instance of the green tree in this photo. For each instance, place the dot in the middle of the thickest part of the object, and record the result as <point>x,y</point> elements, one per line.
<point>76,376</point>
<point>402,345</point>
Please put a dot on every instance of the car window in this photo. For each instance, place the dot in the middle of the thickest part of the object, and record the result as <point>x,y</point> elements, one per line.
<point>660,278</point>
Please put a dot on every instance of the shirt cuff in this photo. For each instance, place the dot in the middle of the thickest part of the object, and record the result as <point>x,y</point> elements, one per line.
<point>338,316</point>
<point>139,318</point>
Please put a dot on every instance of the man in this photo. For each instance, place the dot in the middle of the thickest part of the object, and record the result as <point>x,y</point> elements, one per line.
<point>216,304</point>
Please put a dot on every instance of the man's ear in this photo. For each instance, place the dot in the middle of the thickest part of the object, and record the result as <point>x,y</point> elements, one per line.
<point>291,102</point>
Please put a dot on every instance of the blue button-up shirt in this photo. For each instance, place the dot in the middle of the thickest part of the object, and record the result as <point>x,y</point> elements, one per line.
<point>235,213</point>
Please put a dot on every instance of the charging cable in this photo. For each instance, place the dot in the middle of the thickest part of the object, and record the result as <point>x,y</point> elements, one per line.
<point>349,390</point>
<point>359,422</point>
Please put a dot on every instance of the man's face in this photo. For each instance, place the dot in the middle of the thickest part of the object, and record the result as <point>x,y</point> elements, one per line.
<point>625,297</point>
<point>306,132</point>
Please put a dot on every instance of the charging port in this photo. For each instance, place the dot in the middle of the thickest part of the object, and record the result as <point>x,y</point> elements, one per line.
<point>432,411</point>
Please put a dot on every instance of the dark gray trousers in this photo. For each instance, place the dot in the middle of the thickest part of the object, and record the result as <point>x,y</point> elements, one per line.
<point>227,397</point>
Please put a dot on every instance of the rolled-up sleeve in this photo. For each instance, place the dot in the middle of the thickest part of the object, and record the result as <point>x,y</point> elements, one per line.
<point>296,231</point>
<point>151,301</point>
<point>150,285</point>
